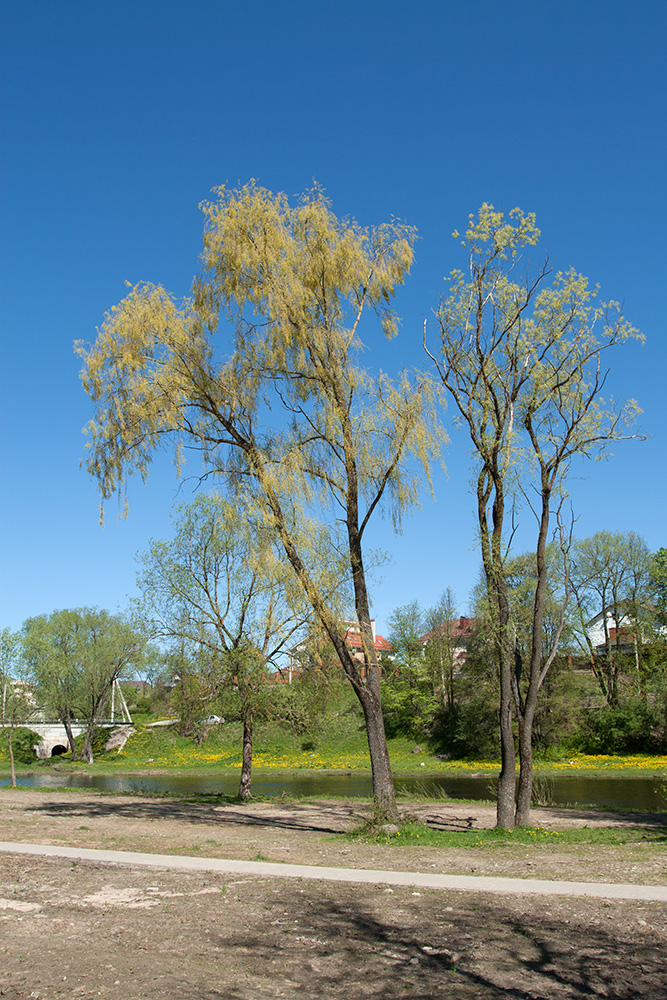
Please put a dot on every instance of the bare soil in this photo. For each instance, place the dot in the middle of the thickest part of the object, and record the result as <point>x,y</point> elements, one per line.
<point>100,930</point>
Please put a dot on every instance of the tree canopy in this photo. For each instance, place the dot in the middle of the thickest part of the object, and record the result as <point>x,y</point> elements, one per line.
<point>522,360</point>
<point>74,657</point>
<point>221,588</point>
<point>259,372</point>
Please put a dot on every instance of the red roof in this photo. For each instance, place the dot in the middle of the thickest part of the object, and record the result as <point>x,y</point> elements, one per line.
<point>353,638</point>
<point>457,629</point>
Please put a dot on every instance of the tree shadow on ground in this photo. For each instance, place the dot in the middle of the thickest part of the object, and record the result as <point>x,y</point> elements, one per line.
<point>206,937</point>
<point>324,817</point>
<point>320,817</point>
<point>488,951</point>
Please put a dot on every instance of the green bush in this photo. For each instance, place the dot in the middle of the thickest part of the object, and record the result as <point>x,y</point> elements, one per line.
<point>100,737</point>
<point>24,741</point>
<point>408,711</point>
<point>470,730</point>
<point>632,727</point>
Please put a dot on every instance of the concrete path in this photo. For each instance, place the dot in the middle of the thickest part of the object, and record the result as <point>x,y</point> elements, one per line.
<point>468,883</point>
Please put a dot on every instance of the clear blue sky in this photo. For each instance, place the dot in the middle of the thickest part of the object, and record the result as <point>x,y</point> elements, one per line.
<point>118,119</point>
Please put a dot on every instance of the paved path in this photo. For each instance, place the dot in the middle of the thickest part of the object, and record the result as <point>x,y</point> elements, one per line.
<point>469,883</point>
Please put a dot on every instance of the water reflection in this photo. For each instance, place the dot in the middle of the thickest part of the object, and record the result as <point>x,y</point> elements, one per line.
<point>644,793</point>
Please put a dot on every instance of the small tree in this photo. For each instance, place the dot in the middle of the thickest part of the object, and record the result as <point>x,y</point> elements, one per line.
<point>111,648</point>
<point>75,656</point>
<point>283,412</point>
<point>221,588</point>
<point>405,631</point>
<point>612,576</point>
<point>51,645</point>
<point>522,361</point>
<point>18,702</point>
<point>439,649</point>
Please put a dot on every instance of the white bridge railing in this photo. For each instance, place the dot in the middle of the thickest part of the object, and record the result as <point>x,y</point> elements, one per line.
<point>54,734</point>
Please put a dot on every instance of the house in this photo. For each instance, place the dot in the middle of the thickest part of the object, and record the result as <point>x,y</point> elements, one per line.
<point>313,648</point>
<point>458,632</point>
<point>620,626</point>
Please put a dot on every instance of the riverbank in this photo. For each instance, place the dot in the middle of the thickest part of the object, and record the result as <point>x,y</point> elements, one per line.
<point>340,748</point>
<point>314,831</point>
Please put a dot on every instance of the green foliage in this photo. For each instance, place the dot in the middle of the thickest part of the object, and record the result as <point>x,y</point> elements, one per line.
<point>75,657</point>
<point>419,679</point>
<point>409,711</point>
<point>24,741</point>
<point>140,706</point>
<point>659,585</point>
<point>471,731</point>
<point>559,711</point>
<point>632,727</point>
<point>98,742</point>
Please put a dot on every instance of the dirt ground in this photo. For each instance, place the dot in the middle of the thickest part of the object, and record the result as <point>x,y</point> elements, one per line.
<point>100,930</point>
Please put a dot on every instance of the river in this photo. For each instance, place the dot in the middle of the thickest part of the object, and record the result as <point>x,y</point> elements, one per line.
<point>624,792</point>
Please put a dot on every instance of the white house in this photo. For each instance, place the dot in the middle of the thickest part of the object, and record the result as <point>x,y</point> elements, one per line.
<point>620,626</point>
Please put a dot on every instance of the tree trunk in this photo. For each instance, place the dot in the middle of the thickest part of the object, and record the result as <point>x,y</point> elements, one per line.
<point>366,689</point>
<point>490,486</point>
<point>383,782</point>
<point>640,690</point>
<point>525,790</point>
<point>506,778</point>
<point>87,748</point>
<point>11,756</point>
<point>70,738</point>
<point>246,769</point>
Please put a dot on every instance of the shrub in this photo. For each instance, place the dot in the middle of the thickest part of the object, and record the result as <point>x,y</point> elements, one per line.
<point>627,728</point>
<point>24,741</point>
<point>407,711</point>
<point>470,730</point>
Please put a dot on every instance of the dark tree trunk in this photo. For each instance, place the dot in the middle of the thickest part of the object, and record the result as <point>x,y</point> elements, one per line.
<point>525,790</point>
<point>246,768</point>
<point>10,733</point>
<point>490,485</point>
<point>367,690</point>
<point>507,778</point>
<point>383,781</point>
<point>70,737</point>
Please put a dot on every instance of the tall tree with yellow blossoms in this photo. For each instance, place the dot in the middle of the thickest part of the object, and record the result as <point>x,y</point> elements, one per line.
<point>259,372</point>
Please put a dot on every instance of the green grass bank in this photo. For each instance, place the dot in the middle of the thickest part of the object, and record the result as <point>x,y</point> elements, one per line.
<point>339,747</point>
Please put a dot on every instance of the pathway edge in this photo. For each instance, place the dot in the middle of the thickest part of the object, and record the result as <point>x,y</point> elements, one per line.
<point>426,880</point>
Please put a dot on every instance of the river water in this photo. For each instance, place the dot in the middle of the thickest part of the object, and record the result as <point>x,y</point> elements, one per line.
<point>643,793</point>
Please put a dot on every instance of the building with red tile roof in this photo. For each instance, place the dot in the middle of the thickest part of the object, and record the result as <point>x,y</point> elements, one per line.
<point>304,650</point>
<point>458,631</point>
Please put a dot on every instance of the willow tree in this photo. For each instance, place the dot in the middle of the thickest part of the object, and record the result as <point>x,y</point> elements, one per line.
<point>259,370</point>
<point>220,586</point>
<point>522,358</point>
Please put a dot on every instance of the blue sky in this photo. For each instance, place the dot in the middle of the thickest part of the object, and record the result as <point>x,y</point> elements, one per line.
<point>119,118</point>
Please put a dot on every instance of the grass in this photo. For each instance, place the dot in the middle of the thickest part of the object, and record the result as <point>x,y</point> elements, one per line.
<point>339,746</point>
<point>412,834</point>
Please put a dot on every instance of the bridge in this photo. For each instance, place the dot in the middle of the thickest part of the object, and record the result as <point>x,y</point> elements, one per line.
<point>54,736</point>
